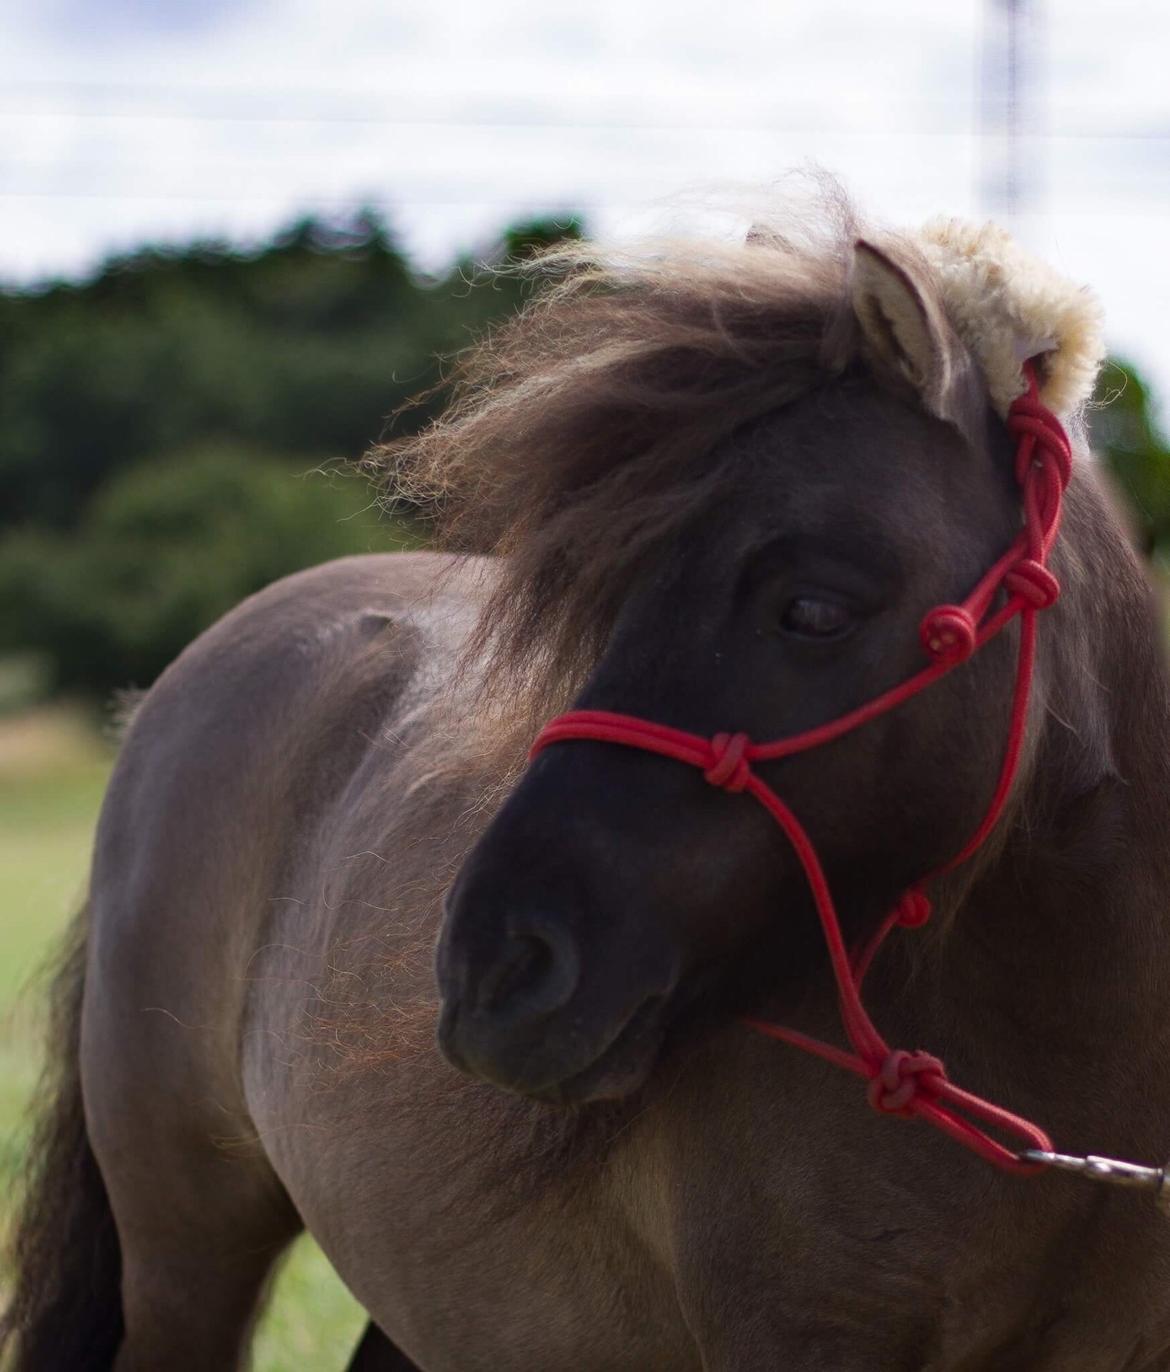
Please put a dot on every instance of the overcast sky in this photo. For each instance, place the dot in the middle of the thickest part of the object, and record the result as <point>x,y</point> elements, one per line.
<point>125,120</point>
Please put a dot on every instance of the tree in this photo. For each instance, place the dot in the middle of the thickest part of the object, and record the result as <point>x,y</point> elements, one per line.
<point>1126,436</point>
<point>168,547</point>
<point>303,347</point>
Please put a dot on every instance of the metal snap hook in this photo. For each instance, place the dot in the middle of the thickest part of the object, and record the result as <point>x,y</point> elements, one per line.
<point>1111,1171</point>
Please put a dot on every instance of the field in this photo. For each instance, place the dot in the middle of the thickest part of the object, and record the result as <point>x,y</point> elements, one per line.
<point>53,769</point>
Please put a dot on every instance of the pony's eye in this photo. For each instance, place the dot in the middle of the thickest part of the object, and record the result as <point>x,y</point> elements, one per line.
<point>808,616</point>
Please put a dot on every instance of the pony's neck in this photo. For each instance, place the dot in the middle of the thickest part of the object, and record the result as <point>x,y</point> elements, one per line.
<point>1058,962</point>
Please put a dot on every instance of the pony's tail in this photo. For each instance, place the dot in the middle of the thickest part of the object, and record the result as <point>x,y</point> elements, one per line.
<point>65,1307</point>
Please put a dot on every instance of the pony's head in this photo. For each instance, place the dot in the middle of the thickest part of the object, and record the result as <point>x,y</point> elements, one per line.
<point>728,484</point>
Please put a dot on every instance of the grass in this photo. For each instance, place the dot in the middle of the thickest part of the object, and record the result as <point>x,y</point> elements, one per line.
<point>53,769</point>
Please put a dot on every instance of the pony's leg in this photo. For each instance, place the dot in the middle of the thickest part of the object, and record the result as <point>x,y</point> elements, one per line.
<point>201,1221</point>
<point>200,1214</point>
<point>192,1286</point>
<point>376,1353</point>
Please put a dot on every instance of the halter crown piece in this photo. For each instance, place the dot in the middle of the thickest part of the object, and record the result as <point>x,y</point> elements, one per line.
<point>996,311</point>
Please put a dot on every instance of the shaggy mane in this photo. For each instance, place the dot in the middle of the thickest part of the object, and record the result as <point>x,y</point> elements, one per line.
<point>585,431</point>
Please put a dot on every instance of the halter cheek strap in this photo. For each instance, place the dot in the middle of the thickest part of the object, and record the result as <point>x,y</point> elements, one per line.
<point>902,1083</point>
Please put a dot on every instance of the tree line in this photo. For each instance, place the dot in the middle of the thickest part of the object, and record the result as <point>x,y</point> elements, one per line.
<point>174,431</point>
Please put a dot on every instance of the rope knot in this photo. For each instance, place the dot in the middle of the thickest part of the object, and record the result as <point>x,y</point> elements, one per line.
<point>913,909</point>
<point>1029,417</point>
<point>948,634</point>
<point>729,767</point>
<point>1033,582</point>
<point>896,1083</point>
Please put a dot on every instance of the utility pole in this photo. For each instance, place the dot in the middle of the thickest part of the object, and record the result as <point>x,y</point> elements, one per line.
<point>1007,190</point>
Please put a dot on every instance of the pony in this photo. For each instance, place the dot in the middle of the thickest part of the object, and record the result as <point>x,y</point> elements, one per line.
<point>714,485</point>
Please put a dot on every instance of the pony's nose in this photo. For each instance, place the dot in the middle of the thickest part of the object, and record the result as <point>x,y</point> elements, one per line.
<point>534,973</point>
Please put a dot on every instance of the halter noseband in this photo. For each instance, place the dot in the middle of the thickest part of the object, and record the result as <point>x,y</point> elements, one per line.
<point>900,1082</point>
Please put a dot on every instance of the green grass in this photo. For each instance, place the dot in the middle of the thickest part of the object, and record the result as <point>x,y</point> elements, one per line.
<point>51,782</point>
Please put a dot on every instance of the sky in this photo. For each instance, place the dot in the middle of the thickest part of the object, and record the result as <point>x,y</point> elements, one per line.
<point>123,121</point>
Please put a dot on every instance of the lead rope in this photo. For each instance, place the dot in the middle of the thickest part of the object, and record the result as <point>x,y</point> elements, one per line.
<point>909,1084</point>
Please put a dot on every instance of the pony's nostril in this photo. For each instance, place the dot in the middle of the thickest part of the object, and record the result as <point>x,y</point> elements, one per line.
<point>535,973</point>
<point>523,962</point>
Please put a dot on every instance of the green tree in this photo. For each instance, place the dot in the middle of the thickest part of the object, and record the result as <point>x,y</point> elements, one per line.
<point>303,347</point>
<point>141,412</point>
<point>1126,435</point>
<point>164,550</point>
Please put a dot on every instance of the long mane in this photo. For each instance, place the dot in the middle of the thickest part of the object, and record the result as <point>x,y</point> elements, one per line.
<point>585,431</point>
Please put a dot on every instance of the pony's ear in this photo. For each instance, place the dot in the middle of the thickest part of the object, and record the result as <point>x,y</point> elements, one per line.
<point>904,332</point>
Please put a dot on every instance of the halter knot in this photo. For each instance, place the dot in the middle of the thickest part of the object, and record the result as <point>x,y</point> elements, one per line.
<point>729,767</point>
<point>901,1077</point>
<point>1033,582</point>
<point>1029,418</point>
<point>913,909</point>
<point>948,633</point>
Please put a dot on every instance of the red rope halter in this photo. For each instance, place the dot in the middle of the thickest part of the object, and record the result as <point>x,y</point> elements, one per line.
<point>900,1083</point>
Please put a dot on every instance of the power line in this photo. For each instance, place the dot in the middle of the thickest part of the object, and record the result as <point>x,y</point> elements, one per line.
<point>569,123</point>
<point>553,201</point>
<point>590,123</point>
<point>550,202</point>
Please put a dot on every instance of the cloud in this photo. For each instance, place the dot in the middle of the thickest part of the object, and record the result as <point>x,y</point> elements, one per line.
<point>84,23</point>
<point>215,117</point>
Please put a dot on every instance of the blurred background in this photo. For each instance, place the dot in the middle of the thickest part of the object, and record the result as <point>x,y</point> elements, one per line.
<point>237,235</point>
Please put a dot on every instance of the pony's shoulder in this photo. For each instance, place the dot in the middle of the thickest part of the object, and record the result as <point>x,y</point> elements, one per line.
<point>296,633</point>
<point>314,662</point>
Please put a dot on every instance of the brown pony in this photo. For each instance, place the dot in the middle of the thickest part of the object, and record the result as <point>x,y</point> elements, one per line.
<point>722,485</point>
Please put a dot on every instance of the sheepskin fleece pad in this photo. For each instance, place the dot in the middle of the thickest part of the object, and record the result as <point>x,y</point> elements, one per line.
<point>1007,306</point>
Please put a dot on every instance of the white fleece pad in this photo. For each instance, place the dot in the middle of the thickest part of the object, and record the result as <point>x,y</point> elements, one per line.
<point>1007,306</point>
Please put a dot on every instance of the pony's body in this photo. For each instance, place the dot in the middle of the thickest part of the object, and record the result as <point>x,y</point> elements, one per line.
<point>745,1212</point>
<point>298,792</point>
<point>310,949</point>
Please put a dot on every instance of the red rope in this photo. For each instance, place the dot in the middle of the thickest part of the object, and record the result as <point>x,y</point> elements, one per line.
<point>900,1082</point>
